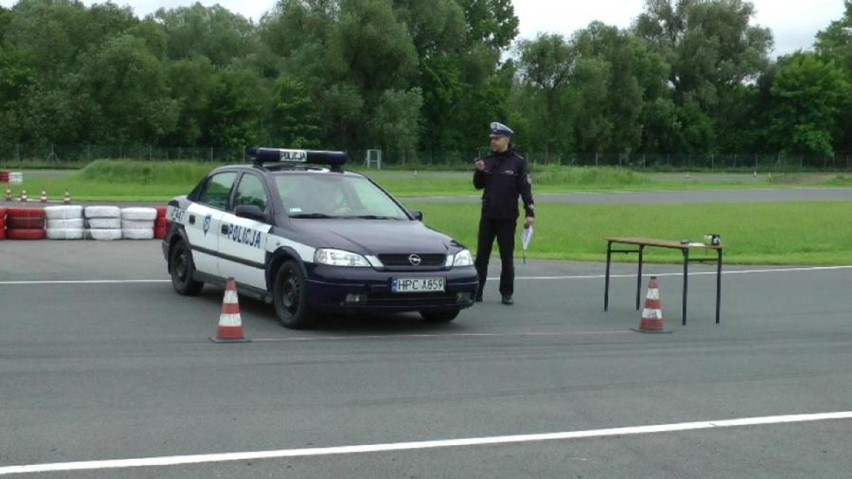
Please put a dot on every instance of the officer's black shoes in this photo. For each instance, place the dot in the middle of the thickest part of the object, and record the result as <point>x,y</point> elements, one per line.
<point>507,300</point>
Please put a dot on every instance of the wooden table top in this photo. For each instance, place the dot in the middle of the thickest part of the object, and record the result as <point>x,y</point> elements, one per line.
<point>664,243</point>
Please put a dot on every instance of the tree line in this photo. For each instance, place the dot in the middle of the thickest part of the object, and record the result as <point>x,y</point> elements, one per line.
<point>421,77</point>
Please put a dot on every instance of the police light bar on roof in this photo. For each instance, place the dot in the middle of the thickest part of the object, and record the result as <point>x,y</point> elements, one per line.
<point>260,156</point>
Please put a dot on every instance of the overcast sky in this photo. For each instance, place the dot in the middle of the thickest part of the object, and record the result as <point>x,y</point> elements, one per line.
<point>794,23</point>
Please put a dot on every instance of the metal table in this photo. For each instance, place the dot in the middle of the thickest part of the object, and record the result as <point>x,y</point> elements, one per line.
<point>685,248</point>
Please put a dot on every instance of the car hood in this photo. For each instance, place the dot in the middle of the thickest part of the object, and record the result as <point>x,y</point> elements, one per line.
<point>373,237</point>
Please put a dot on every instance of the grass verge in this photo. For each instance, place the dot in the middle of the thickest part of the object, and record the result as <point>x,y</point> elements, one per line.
<point>141,181</point>
<point>765,233</point>
<point>771,233</point>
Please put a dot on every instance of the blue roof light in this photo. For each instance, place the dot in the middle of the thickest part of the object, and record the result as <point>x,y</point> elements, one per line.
<point>259,156</point>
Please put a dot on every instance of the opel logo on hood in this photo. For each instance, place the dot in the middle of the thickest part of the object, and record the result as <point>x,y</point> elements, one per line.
<point>414,260</point>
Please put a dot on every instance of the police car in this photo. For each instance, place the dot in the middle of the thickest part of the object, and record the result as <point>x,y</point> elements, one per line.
<point>296,230</point>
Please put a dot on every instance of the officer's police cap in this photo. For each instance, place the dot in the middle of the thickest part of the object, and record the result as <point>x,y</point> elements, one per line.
<point>499,129</point>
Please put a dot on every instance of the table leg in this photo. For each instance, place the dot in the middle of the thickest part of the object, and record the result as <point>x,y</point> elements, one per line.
<point>718,283</point>
<point>685,282</point>
<point>606,281</point>
<point>639,278</point>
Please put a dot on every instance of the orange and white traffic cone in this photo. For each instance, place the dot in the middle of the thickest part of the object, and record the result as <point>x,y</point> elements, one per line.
<point>67,199</point>
<point>23,196</point>
<point>9,194</point>
<point>652,314</point>
<point>43,197</point>
<point>230,322</point>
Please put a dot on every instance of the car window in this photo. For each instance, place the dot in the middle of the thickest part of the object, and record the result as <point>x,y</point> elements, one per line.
<point>375,200</point>
<point>250,191</point>
<point>217,190</point>
<point>335,196</point>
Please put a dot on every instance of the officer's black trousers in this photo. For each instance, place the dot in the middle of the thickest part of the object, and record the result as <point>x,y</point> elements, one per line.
<point>504,231</point>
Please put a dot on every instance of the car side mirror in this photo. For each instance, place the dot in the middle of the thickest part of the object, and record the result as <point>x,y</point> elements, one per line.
<point>418,215</point>
<point>252,212</point>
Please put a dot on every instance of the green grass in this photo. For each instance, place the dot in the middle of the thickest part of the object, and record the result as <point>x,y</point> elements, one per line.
<point>841,180</point>
<point>119,181</point>
<point>405,184</point>
<point>766,233</point>
<point>555,179</point>
<point>145,173</point>
<point>132,181</point>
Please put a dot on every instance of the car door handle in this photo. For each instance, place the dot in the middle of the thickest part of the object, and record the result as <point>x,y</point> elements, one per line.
<point>226,229</point>
<point>192,219</point>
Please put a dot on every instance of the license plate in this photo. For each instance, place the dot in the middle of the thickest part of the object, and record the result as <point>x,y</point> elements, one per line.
<point>417,285</point>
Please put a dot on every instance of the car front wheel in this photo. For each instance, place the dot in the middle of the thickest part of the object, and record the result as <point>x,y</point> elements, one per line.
<point>290,297</point>
<point>182,269</point>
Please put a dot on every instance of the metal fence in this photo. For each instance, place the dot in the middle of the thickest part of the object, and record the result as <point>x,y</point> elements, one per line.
<point>60,155</point>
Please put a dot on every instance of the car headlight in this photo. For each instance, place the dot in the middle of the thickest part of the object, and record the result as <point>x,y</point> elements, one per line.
<point>463,258</point>
<point>336,257</point>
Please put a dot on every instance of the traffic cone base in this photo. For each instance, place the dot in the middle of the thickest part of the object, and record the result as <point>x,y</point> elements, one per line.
<point>652,314</point>
<point>230,321</point>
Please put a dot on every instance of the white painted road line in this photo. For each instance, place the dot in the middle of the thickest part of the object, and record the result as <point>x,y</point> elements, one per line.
<point>557,277</point>
<point>418,445</point>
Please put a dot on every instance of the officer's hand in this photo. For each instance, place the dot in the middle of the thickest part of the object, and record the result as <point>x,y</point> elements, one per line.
<point>479,164</point>
<point>529,222</point>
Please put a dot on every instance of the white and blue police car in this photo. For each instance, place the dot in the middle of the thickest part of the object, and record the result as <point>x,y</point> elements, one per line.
<point>296,230</point>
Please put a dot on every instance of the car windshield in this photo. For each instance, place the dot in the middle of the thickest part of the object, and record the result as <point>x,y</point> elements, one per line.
<point>324,195</point>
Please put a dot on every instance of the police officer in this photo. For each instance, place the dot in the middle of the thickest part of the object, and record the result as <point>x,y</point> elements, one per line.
<point>503,175</point>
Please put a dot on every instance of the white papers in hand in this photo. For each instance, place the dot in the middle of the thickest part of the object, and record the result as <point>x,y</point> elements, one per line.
<point>526,237</point>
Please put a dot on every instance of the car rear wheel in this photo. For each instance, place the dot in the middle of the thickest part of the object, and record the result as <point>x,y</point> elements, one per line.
<point>182,269</point>
<point>290,297</point>
<point>439,316</point>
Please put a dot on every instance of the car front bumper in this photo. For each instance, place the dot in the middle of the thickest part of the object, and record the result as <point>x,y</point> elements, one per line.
<point>341,289</point>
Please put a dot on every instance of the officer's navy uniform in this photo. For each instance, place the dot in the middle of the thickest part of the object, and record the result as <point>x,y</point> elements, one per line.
<point>504,179</point>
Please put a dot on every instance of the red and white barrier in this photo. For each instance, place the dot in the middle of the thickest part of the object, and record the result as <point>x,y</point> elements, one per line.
<point>72,222</point>
<point>25,224</point>
<point>2,223</point>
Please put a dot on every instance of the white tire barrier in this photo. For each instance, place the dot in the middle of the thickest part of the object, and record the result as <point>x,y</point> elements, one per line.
<point>139,214</point>
<point>65,212</point>
<point>74,224</point>
<point>137,225</point>
<point>103,212</point>
<point>138,234</point>
<point>64,222</point>
<point>65,233</point>
<point>104,223</point>
<point>103,234</point>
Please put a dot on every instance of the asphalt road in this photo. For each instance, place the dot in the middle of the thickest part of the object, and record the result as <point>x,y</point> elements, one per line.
<point>100,360</point>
